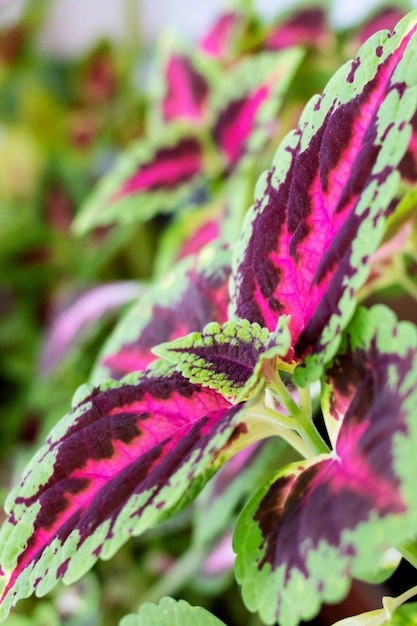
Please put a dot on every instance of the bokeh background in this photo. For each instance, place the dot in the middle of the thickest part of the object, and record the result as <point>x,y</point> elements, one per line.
<point>74,81</point>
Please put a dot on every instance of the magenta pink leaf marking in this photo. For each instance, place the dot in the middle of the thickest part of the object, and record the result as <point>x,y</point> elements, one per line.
<point>299,253</point>
<point>306,26</point>
<point>169,167</point>
<point>218,41</point>
<point>245,123</point>
<point>204,234</point>
<point>187,91</point>
<point>71,323</point>
<point>236,122</point>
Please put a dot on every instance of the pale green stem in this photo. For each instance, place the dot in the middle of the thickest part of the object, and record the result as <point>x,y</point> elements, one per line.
<point>302,421</point>
<point>310,434</point>
<point>280,391</point>
<point>397,276</point>
<point>407,595</point>
<point>305,401</point>
<point>268,423</point>
<point>391,604</point>
<point>402,277</point>
<point>132,19</point>
<point>276,416</point>
<point>294,439</point>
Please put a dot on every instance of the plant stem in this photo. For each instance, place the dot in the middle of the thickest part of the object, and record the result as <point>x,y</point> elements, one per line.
<point>407,595</point>
<point>280,391</point>
<point>268,422</point>
<point>133,36</point>
<point>302,419</point>
<point>305,401</point>
<point>268,410</point>
<point>403,278</point>
<point>310,434</point>
<point>294,439</point>
<point>391,604</point>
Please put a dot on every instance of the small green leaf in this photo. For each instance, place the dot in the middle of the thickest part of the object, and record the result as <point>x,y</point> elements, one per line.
<point>169,612</point>
<point>227,357</point>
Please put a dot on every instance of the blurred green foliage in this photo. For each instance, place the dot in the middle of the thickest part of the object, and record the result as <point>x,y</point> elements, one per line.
<point>62,125</point>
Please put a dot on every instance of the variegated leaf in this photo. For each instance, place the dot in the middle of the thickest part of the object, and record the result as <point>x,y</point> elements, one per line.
<point>186,91</point>
<point>71,324</point>
<point>383,18</point>
<point>246,103</point>
<point>193,294</point>
<point>152,176</point>
<point>318,523</point>
<point>221,39</point>
<point>227,357</point>
<point>128,456</point>
<point>306,26</point>
<point>321,209</point>
<point>408,165</point>
<point>183,80</point>
<point>187,234</point>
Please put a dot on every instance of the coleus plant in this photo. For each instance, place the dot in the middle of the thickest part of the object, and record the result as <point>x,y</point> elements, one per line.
<point>235,346</point>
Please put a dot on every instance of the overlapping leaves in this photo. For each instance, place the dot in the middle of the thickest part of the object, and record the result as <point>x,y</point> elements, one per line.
<point>132,453</point>
<point>157,175</point>
<point>192,294</point>
<point>321,209</point>
<point>227,357</point>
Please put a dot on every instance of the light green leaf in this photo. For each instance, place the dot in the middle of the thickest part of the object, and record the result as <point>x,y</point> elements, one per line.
<point>227,357</point>
<point>169,612</point>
